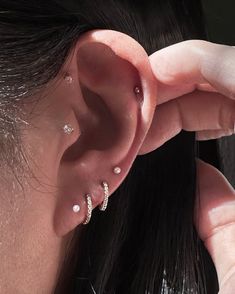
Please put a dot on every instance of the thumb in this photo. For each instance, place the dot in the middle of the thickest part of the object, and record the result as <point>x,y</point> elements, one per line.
<point>215,220</point>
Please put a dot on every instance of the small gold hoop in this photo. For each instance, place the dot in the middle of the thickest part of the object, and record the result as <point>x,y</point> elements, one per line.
<point>104,205</point>
<point>89,209</point>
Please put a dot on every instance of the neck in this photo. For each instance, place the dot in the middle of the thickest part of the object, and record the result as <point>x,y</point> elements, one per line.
<point>30,252</point>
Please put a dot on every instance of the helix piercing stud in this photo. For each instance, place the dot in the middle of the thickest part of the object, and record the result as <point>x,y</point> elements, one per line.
<point>68,79</point>
<point>89,209</point>
<point>117,170</point>
<point>76,208</point>
<point>104,205</point>
<point>68,129</point>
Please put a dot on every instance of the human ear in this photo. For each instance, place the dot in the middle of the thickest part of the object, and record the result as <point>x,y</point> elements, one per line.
<point>112,95</point>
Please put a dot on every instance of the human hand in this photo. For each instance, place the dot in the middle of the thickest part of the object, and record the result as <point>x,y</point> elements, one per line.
<point>196,92</point>
<point>215,222</point>
<point>210,112</point>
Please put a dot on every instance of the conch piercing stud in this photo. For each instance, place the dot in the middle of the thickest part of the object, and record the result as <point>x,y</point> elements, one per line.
<point>117,170</point>
<point>76,208</point>
<point>138,93</point>
<point>68,79</point>
<point>68,129</point>
<point>89,209</point>
<point>104,205</point>
<point>137,90</point>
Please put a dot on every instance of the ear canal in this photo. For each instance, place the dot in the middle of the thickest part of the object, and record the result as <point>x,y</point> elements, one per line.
<point>116,84</point>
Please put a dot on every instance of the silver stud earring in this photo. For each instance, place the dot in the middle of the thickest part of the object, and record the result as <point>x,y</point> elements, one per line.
<point>104,205</point>
<point>138,94</point>
<point>137,90</point>
<point>89,209</point>
<point>76,208</point>
<point>117,170</point>
<point>68,129</point>
<point>68,79</point>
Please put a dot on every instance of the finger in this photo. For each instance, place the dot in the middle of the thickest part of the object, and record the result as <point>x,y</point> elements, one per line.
<point>198,111</point>
<point>190,63</point>
<point>169,92</point>
<point>215,218</point>
<point>228,286</point>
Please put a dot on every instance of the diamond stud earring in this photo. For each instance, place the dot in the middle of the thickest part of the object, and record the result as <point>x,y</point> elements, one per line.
<point>138,94</point>
<point>68,129</point>
<point>117,170</point>
<point>68,79</point>
<point>76,208</point>
<point>137,90</point>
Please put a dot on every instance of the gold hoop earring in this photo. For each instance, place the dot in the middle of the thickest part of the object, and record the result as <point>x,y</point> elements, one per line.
<point>104,205</point>
<point>89,209</point>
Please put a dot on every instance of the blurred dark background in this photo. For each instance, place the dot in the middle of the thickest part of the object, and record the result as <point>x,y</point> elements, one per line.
<point>220,17</point>
<point>220,21</point>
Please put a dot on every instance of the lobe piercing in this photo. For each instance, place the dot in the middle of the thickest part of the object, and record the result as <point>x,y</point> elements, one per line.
<point>76,208</point>
<point>117,170</point>
<point>68,129</point>
<point>104,205</point>
<point>68,79</point>
<point>89,209</point>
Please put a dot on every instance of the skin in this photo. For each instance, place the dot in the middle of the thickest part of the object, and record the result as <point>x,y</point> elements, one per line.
<point>37,223</point>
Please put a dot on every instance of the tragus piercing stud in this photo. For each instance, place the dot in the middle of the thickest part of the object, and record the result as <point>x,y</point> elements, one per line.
<point>68,129</point>
<point>117,170</point>
<point>68,79</point>
<point>89,209</point>
<point>76,208</point>
<point>104,205</point>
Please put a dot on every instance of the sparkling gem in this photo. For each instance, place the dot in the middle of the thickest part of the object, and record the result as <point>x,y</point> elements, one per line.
<point>137,90</point>
<point>68,129</point>
<point>76,208</point>
<point>68,79</point>
<point>117,170</point>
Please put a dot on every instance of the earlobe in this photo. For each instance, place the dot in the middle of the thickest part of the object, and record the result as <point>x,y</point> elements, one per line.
<point>111,72</point>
